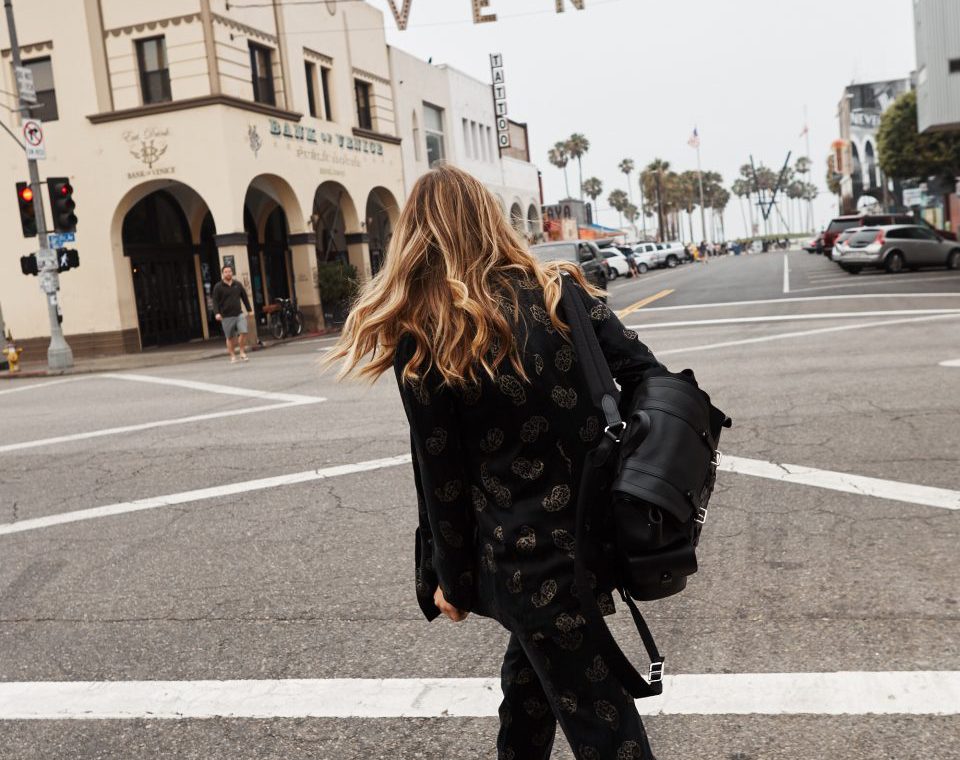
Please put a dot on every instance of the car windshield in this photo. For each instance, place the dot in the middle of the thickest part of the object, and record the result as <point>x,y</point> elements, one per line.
<point>550,252</point>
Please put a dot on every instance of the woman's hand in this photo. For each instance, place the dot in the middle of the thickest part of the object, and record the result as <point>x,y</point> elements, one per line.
<point>457,616</point>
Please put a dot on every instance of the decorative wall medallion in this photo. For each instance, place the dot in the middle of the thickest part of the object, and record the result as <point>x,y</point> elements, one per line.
<point>332,7</point>
<point>256,142</point>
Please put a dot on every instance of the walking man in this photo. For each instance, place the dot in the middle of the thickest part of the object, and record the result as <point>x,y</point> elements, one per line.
<point>228,295</point>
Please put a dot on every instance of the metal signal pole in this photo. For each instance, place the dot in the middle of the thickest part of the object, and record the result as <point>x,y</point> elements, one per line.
<point>703,213</point>
<point>59,355</point>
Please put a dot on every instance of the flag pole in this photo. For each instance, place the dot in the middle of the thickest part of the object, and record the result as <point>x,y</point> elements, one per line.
<point>703,213</point>
<point>806,129</point>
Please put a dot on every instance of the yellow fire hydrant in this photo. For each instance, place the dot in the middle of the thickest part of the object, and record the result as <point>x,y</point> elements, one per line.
<point>12,354</point>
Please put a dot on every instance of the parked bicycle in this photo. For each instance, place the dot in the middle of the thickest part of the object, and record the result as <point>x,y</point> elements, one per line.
<point>285,320</point>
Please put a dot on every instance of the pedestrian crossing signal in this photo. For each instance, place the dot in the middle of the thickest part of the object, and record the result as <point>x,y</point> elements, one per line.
<point>28,264</point>
<point>28,219</point>
<point>62,204</point>
<point>67,258</point>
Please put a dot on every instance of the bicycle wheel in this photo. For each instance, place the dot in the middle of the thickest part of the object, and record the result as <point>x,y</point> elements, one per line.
<point>277,327</point>
<point>296,323</point>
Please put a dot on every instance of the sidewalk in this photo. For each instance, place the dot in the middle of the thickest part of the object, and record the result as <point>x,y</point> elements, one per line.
<point>154,357</point>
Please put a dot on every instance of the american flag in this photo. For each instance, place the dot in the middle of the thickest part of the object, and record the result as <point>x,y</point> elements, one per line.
<point>694,141</point>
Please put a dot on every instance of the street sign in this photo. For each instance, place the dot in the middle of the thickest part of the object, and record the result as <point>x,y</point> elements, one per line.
<point>28,93</point>
<point>500,100</point>
<point>58,239</point>
<point>913,196</point>
<point>33,139</point>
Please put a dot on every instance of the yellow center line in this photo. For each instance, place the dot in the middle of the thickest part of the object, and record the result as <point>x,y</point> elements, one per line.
<point>640,304</point>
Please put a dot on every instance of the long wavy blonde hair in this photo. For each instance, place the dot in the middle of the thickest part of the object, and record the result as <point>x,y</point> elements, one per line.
<point>450,282</point>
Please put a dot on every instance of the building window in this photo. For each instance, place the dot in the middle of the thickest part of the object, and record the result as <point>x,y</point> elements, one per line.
<point>490,147</point>
<point>433,127</point>
<point>261,71</point>
<point>364,114</point>
<point>46,108</point>
<point>466,139</point>
<point>154,70</point>
<point>310,69</point>
<point>325,88</point>
<point>417,153</point>
<point>955,66</point>
<point>475,138</point>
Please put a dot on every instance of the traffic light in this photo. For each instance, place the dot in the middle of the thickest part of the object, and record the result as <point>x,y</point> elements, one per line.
<point>28,264</point>
<point>62,204</point>
<point>28,219</point>
<point>67,258</point>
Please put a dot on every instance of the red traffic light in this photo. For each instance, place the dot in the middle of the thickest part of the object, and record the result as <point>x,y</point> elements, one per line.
<point>65,190</point>
<point>26,194</point>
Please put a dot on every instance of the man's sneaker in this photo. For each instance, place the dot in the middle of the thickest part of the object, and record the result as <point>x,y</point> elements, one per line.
<point>244,356</point>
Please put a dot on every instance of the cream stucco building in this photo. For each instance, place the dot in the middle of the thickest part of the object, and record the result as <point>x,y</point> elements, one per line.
<point>196,134</point>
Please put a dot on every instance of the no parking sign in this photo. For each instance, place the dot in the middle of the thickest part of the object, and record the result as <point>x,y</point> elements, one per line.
<point>33,139</point>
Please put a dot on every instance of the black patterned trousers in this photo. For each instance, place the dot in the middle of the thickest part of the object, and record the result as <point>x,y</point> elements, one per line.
<point>561,678</point>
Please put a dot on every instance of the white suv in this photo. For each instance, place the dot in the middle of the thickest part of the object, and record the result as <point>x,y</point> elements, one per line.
<point>656,255</point>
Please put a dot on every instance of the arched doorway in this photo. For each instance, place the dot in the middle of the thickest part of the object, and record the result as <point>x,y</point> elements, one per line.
<point>333,214</point>
<point>156,237</point>
<point>873,180</point>
<point>382,213</point>
<point>516,218</point>
<point>856,171</point>
<point>209,269</point>
<point>534,226</point>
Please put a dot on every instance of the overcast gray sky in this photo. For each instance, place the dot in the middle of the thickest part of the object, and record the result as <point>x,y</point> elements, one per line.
<point>635,76</point>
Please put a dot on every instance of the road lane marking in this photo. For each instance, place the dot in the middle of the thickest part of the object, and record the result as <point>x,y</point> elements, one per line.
<point>38,386</point>
<point>879,282</point>
<point>786,273</point>
<point>892,490</point>
<point>836,693</point>
<point>6,448</point>
<point>803,299</point>
<point>801,334</point>
<point>792,318</point>
<point>201,494</point>
<point>837,481</point>
<point>643,302</point>
<point>951,363</point>
<point>226,390</point>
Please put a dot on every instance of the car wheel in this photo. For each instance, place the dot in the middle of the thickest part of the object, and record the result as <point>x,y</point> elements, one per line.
<point>953,260</point>
<point>642,268</point>
<point>894,263</point>
<point>672,262</point>
<point>614,274</point>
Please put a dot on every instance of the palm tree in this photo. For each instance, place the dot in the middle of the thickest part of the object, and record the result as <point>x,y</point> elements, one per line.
<point>577,146</point>
<point>619,200</point>
<point>741,189</point>
<point>627,166</point>
<point>593,187</point>
<point>656,170</point>
<point>558,156</point>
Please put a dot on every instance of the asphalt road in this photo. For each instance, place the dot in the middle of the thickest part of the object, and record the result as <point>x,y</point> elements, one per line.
<point>830,549</point>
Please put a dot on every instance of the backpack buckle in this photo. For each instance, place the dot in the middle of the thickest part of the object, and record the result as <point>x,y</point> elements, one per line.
<point>620,427</point>
<point>701,517</point>
<point>656,671</point>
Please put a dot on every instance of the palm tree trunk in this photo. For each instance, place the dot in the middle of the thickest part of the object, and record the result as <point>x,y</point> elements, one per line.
<point>580,165</point>
<point>566,180</point>
<point>643,214</point>
<point>750,209</point>
<point>690,222</point>
<point>743,214</point>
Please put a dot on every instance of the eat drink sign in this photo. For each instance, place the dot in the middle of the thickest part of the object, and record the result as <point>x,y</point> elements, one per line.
<point>479,17</point>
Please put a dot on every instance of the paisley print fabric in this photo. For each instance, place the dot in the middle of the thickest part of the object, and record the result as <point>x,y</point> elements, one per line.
<point>498,463</point>
<point>598,718</point>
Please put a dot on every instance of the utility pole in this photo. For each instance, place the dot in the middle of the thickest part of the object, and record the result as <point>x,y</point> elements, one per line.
<point>703,213</point>
<point>59,355</point>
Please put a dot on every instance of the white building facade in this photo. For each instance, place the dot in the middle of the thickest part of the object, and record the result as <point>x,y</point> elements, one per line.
<point>937,30</point>
<point>445,115</point>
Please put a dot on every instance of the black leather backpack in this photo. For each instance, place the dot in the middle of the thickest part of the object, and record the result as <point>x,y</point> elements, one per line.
<point>643,493</point>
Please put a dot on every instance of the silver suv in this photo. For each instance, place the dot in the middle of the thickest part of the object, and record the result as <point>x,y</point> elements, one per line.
<point>897,247</point>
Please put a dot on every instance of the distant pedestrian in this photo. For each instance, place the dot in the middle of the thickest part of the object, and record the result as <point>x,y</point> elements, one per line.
<point>501,423</point>
<point>228,297</point>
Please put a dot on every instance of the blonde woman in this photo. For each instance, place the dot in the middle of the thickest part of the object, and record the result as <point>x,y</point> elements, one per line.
<point>500,423</point>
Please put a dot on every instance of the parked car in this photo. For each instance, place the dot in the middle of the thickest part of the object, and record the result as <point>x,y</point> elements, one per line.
<point>656,255</point>
<point>617,264</point>
<point>841,223</point>
<point>583,253</point>
<point>812,245</point>
<point>839,245</point>
<point>898,247</point>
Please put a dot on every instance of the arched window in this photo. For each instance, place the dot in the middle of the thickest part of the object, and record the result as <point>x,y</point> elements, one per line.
<point>156,220</point>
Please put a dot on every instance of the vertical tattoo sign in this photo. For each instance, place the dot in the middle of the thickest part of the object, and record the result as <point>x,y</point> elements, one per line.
<point>500,100</point>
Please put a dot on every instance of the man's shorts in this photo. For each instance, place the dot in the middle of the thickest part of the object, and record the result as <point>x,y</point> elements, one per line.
<point>234,326</point>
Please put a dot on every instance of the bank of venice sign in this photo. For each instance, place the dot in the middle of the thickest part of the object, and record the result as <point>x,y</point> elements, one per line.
<point>482,10</point>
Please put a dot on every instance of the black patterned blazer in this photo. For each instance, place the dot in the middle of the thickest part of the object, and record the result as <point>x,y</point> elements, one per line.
<point>497,469</point>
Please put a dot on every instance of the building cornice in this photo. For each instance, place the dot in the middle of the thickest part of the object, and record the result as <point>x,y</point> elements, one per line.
<point>200,102</point>
<point>363,74</point>
<point>149,26</point>
<point>247,31</point>
<point>33,47</point>
<point>369,134</point>
<point>317,56</point>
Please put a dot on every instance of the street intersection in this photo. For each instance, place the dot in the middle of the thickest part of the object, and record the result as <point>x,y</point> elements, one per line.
<point>213,561</point>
